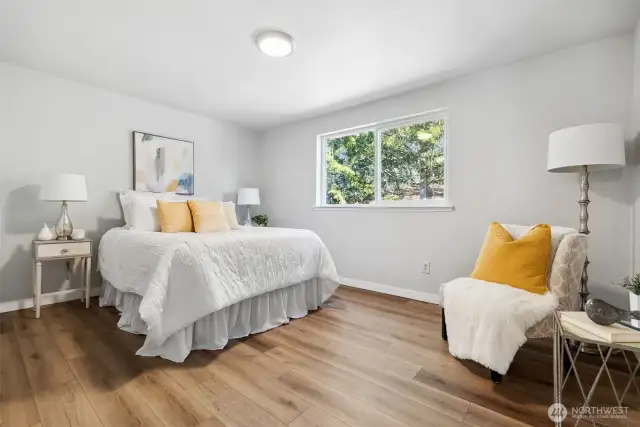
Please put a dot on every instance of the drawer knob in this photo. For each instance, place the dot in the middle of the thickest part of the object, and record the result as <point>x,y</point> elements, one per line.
<point>64,251</point>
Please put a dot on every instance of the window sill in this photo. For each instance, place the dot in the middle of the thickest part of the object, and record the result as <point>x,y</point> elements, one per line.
<point>445,207</point>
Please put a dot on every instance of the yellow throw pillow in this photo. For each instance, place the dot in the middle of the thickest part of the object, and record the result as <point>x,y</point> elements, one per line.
<point>174,217</point>
<point>208,217</point>
<point>521,263</point>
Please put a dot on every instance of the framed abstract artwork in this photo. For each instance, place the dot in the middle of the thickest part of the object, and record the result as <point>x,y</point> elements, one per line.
<point>162,164</point>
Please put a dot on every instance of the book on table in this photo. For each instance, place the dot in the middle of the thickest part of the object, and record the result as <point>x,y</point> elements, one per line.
<point>615,333</point>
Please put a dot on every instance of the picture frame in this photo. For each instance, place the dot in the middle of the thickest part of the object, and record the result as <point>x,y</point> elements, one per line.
<point>162,164</point>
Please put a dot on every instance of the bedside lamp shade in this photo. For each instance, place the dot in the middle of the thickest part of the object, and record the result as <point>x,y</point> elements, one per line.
<point>64,187</point>
<point>248,196</point>
<point>599,146</point>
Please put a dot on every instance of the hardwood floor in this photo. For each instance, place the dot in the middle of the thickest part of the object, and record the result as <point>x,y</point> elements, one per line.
<point>364,359</point>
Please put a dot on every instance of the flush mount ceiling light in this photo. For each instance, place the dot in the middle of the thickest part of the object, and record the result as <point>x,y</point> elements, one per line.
<point>275,43</point>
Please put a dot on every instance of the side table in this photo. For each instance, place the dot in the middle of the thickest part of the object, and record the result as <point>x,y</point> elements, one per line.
<point>565,332</point>
<point>51,250</point>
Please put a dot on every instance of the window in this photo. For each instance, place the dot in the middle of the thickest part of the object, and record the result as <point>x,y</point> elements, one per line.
<point>396,163</point>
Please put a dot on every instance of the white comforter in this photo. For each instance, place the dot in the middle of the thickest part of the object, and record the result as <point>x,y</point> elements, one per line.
<point>183,277</point>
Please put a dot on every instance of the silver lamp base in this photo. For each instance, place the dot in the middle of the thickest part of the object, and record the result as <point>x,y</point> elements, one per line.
<point>64,227</point>
<point>584,201</point>
<point>247,220</point>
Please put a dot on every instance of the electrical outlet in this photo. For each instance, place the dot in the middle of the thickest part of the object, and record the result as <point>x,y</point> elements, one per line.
<point>426,268</point>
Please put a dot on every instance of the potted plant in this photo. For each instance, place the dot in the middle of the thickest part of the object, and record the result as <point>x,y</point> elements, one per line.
<point>632,284</point>
<point>260,220</point>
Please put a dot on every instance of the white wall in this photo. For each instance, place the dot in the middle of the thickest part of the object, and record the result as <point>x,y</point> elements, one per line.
<point>499,125</point>
<point>53,125</point>
<point>635,161</point>
<point>636,79</point>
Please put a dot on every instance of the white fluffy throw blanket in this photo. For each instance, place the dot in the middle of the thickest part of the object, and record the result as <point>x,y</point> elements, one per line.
<point>487,322</point>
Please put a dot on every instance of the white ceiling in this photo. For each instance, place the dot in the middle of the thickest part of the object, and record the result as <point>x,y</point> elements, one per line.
<point>198,55</point>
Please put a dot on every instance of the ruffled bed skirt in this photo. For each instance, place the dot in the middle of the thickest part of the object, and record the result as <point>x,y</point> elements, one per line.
<point>251,316</point>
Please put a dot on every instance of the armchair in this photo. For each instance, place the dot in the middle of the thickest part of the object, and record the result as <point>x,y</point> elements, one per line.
<point>568,252</point>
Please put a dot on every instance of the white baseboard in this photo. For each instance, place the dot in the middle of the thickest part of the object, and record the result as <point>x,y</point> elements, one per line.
<point>73,294</point>
<point>46,299</point>
<point>391,290</point>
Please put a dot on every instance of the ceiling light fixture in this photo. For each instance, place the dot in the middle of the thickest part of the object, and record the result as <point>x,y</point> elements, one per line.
<point>275,43</point>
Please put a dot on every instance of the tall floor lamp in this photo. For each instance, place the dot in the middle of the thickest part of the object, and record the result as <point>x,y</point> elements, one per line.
<point>585,149</point>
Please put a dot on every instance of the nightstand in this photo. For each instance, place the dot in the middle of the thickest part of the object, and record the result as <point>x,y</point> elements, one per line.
<point>51,250</point>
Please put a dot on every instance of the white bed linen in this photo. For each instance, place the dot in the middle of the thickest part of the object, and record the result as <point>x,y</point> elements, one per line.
<point>212,332</point>
<point>183,277</point>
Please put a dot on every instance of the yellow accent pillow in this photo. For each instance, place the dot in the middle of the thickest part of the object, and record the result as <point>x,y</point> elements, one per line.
<point>208,217</point>
<point>174,217</point>
<point>521,263</point>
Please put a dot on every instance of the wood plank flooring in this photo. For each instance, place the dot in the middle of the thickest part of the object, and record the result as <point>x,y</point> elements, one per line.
<point>363,360</point>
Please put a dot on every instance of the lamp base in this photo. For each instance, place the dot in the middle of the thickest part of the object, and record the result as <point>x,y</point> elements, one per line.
<point>64,227</point>
<point>247,220</point>
<point>584,201</point>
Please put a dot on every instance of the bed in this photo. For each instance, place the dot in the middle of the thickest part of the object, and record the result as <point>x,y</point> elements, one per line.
<point>189,291</point>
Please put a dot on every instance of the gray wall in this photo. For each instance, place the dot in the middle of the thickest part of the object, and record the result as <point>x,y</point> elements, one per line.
<point>53,125</point>
<point>499,124</point>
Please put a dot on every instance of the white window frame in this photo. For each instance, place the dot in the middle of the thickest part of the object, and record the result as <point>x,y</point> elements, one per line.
<point>443,204</point>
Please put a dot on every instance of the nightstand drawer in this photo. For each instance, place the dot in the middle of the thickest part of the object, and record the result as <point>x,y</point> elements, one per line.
<point>63,249</point>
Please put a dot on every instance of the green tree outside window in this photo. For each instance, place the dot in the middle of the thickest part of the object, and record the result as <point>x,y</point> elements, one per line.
<point>412,164</point>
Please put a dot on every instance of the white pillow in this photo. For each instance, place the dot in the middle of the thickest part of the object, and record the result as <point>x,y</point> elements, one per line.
<point>230,212</point>
<point>144,216</point>
<point>139,208</point>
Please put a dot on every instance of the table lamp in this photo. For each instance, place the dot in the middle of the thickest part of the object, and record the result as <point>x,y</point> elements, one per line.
<point>248,197</point>
<point>584,149</point>
<point>64,188</point>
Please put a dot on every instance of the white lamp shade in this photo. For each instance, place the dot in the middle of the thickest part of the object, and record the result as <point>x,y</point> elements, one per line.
<point>599,146</point>
<point>248,196</point>
<point>64,186</point>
